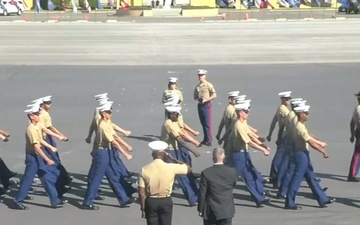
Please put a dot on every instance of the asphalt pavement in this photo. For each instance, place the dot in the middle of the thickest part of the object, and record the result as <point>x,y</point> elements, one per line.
<point>212,43</point>
<point>73,62</point>
<point>136,91</point>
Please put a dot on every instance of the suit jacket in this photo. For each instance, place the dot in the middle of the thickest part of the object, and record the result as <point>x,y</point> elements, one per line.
<point>216,199</point>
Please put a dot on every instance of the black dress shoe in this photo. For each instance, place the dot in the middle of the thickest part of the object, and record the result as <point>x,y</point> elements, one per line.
<point>32,189</point>
<point>68,180</point>
<point>28,197</point>
<point>295,207</point>
<point>21,207</point>
<point>11,175</point>
<point>328,202</point>
<point>352,179</point>
<point>318,179</point>
<point>206,143</point>
<point>331,200</point>
<point>89,207</point>
<point>325,189</point>
<point>194,204</point>
<point>57,206</point>
<point>99,191</point>
<point>99,198</point>
<point>266,201</point>
<point>266,180</point>
<point>131,200</point>
<point>63,202</point>
<point>278,196</point>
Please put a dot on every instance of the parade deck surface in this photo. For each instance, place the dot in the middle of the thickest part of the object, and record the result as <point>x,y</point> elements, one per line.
<point>136,91</point>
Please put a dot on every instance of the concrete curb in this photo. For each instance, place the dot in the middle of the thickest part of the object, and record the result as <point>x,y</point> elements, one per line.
<point>81,21</point>
<point>18,21</point>
<point>111,21</point>
<point>52,21</point>
<point>281,19</point>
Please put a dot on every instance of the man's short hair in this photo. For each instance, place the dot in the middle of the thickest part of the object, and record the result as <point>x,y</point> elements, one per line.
<point>218,152</point>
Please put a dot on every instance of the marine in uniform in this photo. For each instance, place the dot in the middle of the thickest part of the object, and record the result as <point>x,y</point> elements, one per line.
<point>280,119</point>
<point>155,185</point>
<point>227,119</point>
<point>46,123</point>
<point>173,101</point>
<point>285,170</point>
<point>102,99</point>
<point>355,136</point>
<point>37,162</point>
<point>204,93</point>
<point>227,137</point>
<point>106,141</point>
<point>301,159</point>
<point>240,157</point>
<point>173,89</point>
<point>172,134</point>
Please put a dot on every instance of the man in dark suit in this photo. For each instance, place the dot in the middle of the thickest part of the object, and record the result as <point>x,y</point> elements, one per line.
<point>216,200</point>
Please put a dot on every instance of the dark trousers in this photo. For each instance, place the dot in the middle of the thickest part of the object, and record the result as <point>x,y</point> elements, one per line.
<point>212,220</point>
<point>278,157</point>
<point>102,167</point>
<point>218,222</point>
<point>303,169</point>
<point>47,174</point>
<point>355,165</point>
<point>55,156</point>
<point>5,174</point>
<point>241,161</point>
<point>158,211</point>
<point>204,111</point>
<point>186,182</point>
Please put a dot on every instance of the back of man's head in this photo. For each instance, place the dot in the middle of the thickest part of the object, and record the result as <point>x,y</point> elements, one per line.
<point>218,155</point>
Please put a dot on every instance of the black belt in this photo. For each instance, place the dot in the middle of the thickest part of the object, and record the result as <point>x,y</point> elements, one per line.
<point>159,196</point>
<point>238,150</point>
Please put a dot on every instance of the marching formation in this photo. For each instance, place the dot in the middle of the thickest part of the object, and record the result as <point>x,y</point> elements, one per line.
<point>291,163</point>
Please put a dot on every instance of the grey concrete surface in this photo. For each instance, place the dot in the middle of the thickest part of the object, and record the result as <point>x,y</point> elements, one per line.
<point>180,43</point>
<point>136,91</point>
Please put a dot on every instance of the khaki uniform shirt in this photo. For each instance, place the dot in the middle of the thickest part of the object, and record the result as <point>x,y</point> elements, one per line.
<point>168,93</point>
<point>356,117</point>
<point>240,137</point>
<point>169,132</point>
<point>204,90</point>
<point>41,126</point>
<point>281,114</point>
<point>105,134</point>
<point>301,137</point>
<point>95,121</point>
<point>158,177</point>
<point>47,118</point>
<point>33,136</point>
<point>229,116</point>
<point>291,120</point>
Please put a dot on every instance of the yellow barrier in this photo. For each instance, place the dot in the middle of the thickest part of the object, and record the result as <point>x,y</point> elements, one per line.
<point>29,3</point>
<point>210,3</point>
